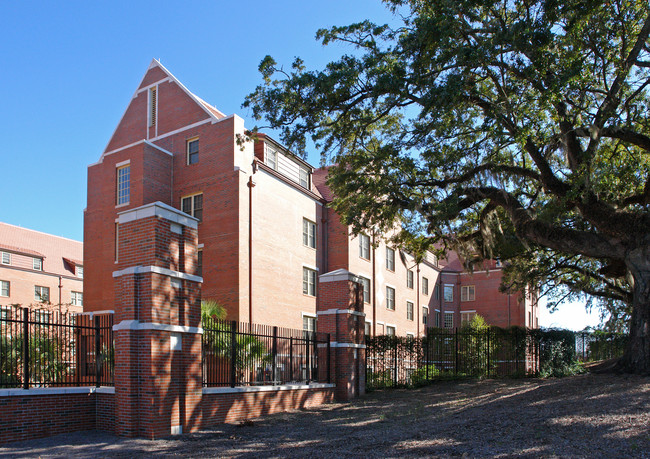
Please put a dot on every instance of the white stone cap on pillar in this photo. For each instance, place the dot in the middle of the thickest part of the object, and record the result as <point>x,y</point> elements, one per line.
<point>338,275</point>
<point>158,209</point>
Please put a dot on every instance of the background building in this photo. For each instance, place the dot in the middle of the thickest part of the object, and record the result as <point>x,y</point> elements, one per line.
<point>40,270</point>
<point>266,231</point>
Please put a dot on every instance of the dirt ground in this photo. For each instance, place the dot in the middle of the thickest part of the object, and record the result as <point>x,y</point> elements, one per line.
<point>581,416</point>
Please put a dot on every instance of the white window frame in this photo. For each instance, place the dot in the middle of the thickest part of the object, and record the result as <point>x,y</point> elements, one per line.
<point>37,264</point>
<point>390,259</point>
<point>367,324</point>
<point>303,176</point>
<point>38,295</point>
<point>309,281</point>
<point>271,157</point>
<point>425,315</point>
<point>390,301</point>
<point>365,282</point>
<point>448,288</point>
<point>308,233</point>
<point>123,184</point>
<point>393,328</point>
<point>448,315</point>
<point>310,317</point>
<point>425,285</point>
<point>6,258</point>
<point>76,298</point>
<point>79,271</point>
<point>188,154</point>
<point>409,279</point>
<point>192,198</point>
<point>466,317</point>
<point>364,246</point>
<point>467,293</point>
<point>4,283</point>
<point>411,305</point>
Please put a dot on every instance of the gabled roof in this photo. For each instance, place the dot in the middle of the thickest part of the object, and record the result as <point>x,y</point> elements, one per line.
<point>53,249</point>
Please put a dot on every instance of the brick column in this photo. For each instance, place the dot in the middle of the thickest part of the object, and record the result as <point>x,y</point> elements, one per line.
<point>340,313</point>
<point>158,376</point>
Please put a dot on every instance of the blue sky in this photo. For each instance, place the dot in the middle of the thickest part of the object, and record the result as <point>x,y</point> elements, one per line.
<point>70,68</point>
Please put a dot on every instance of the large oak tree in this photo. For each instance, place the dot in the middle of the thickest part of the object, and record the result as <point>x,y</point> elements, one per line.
<point>513,129</point>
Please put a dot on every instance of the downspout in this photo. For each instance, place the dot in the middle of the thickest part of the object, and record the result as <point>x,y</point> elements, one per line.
<point>251,185</point>
<point>60,287</point>
<point>374,285</point>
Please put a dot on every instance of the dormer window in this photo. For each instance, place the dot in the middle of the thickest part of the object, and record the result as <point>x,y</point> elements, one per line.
<point>303,178</point>
<point>37,264</point>
<point>271,158</point>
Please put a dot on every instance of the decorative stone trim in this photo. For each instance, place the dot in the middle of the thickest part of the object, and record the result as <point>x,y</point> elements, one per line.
<point>240,389</point>
<point>56,391</point>
<point>158,209</point>
<point>338,275</point>
<point>137,325</point>
<point>157,270</point>
<point>341,311</point>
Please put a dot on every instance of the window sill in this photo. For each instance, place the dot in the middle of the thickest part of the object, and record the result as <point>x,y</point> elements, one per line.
<point>122,205</point>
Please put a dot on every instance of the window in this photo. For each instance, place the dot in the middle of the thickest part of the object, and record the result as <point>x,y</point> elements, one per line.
<point>4,288</point>
<point>449,293</point>
<point>436,292</point>
<point>467,293</point>
<point>409,310</point>
<point>409,279</point>
<point>37,264</point>
<point>193,151</point>
<point>271,157</point>
<point>199,263</point>
<point>308,233</point>
<point>365,284</point>
<point>449,320</point>
<point>193,205</point>
<point>466,317</point>
<point>5,313</point>
<point>364,246</point>
<point>6,258</point>
<point>425,286</point>
<point>41,294</point>
<point>123,184</point>
<point>425,315</point>
<point>390,259</point>
<point>309,323</point>
<point>80,271</point>
<point>42,316</point>
<point>390,330</point>
<point>308,281</point>
<point>368,329</point>
<point>77,298</point>
<point>390,298</point>
<point>153,103</point>
<point>303,177</point>
<point>437,321</point>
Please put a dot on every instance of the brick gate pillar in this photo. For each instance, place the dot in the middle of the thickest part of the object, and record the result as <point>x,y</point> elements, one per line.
<point>158,375</point>
<point>340,313</point>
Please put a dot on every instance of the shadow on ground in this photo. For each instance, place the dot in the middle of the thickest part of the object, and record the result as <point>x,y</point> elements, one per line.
<point>581,416</point>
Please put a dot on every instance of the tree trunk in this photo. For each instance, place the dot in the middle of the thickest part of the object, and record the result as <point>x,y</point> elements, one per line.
<point>636,358</point>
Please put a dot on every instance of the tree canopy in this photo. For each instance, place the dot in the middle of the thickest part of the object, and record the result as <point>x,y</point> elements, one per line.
<point>517,130</point>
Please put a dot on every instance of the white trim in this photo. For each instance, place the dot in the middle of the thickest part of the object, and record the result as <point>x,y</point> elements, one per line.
<point>379,322</point>
<point>449,312</point>
<point>55,391</point>
<point>350,345</point>
<point>231,390</point>
<point>96,313</point>
<point>200,246</point>
<point>157,270</point>
<point>147,142</point>
<point>341,311</point>
<point>364,275</point>
<point>308,314</point>
<point>463,312</point>
<point>158,209</point>
<point>123,163</point>
<point>391,286</point>
<point>312,267</point>
<point>498,268</point>
<point>338,275</point>
<point>392,325</point>
<point>137,325</point>
<point>146,88</point>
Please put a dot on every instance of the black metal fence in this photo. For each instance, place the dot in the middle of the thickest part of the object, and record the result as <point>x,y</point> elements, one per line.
<point>41,348</point>
<point>397,361</point>
<point>242,354</point>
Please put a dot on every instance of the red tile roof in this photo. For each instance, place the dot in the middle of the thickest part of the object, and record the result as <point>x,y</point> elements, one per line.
<point>53,249</point>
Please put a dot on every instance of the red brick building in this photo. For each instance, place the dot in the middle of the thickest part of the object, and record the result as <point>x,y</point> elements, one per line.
<point>265,229</point>
<point>40,270</point>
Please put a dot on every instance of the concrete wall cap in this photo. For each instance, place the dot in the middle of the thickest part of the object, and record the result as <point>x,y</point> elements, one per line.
<point>158,209</point>
<point>157,270</point>
<point>240,389</point>
<point>338,275</point>
<point>55,391</point>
